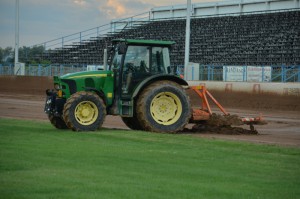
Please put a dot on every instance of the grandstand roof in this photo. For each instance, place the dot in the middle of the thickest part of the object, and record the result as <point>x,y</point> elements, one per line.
<point>223,8</point>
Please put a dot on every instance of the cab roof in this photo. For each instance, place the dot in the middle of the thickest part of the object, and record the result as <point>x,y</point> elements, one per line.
<point>144,42</point>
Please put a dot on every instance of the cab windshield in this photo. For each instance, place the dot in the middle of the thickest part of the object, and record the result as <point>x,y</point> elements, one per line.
<point>146,59</point>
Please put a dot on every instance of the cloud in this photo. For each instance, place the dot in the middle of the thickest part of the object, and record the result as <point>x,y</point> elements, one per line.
<point>117,8</point>
<point>81,3</point>
<point>112,8</point>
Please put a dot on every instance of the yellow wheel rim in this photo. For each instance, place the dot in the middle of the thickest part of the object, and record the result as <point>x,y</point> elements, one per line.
<point>86,113</point>
<point>166,108</point>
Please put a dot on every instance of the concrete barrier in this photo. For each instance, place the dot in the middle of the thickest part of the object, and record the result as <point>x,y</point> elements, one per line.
<point>32,85</point>
<point>252,87</point>
<point>37,85</point>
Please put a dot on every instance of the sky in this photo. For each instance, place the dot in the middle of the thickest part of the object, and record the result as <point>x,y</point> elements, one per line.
<point>44,20</point>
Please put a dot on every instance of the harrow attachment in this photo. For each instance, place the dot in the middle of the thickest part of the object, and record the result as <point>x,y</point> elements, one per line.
<point>205,115</point>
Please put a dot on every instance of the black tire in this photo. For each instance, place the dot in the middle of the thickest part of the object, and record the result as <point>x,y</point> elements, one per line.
<point>57,122</point>
<point>163,107</point>
<point>84,111</point>
<point>132,123</point>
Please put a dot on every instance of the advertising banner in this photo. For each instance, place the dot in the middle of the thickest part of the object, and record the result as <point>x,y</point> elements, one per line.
<point>258,74</point>
<point>247,73</point>
<point>234,73</point>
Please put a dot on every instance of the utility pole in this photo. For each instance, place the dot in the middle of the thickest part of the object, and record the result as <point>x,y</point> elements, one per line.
<point>187,38</point>
<point>17,34</point>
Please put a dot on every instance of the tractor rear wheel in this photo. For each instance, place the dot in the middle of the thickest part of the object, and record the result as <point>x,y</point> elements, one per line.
<point>163,107</point>
<point>57,122</point>
<point>84,111</point>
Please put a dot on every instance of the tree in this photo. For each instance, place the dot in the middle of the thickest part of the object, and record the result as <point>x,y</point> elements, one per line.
<point>6,55</point>
<point>1,55</point>
<point>27,55</point>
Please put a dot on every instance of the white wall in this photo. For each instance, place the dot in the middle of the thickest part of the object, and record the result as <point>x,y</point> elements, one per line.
<point>255,88</point>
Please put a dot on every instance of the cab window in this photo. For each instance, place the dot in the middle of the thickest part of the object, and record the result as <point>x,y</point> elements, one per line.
<point>137,59</point>
<point>160,59</point>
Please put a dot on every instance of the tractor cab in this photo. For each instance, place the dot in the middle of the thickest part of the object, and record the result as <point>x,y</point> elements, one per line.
<point>133,61</point>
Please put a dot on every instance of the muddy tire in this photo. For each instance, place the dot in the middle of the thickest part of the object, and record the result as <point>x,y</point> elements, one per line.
<point>84,111</point>
<point>163,107</point>
<point>57,122</point>
<point>132,123</point>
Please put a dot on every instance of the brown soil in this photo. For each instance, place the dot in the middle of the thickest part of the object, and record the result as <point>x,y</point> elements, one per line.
<point>222,124</point>
<point>225,130</point>
<point>23,97</point>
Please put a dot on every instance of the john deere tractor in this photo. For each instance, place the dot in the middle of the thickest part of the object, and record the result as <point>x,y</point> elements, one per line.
<point>139,85</point>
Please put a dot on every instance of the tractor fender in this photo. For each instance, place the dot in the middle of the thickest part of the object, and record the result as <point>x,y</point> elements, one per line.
<point>156,78</point>
<point>99,93</point>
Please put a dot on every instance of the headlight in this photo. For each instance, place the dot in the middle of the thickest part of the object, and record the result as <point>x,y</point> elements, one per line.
<point>59,93</point>
<point>57,87</point>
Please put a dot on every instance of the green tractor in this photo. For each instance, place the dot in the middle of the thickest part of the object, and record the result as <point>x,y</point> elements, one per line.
<point>139,85</point>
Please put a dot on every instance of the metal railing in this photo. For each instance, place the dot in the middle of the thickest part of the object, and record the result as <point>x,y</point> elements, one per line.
<point>100,31</point>
<point>205,72</point>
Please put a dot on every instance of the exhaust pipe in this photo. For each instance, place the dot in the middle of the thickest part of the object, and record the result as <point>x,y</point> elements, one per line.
<point>105,59</point>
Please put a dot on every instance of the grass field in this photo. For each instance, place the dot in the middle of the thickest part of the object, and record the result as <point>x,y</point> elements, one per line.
<point>38,161</point>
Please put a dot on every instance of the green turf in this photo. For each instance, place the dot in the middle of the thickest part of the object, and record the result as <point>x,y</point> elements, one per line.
<point>38,161</point>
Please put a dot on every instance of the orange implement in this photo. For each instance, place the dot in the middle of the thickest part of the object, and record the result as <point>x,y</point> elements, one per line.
<point>205,111</point>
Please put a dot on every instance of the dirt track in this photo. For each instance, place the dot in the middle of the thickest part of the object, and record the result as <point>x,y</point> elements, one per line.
<point>283,127</point>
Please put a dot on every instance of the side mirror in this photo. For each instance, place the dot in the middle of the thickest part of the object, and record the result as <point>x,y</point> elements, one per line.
<point>122,49</point>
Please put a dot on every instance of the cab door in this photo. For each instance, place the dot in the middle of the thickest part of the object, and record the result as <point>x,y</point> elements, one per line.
<point>136,68</point>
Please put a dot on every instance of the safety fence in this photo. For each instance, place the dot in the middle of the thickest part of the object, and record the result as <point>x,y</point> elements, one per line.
<point>242,73</point>
<point>195,72</point>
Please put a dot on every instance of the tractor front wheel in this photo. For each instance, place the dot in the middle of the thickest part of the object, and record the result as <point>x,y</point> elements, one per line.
<point>163,107</point>
<point>84,111</point>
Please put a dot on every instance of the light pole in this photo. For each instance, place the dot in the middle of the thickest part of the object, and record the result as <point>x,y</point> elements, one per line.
<point>187,38</point>
<point>17,34</point>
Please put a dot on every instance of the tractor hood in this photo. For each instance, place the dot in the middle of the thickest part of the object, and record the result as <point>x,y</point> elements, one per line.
<point>87,74</point>
<point>85,81</point>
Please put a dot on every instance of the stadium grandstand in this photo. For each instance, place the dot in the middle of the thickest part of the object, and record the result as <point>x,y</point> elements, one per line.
<point>222,33</point>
